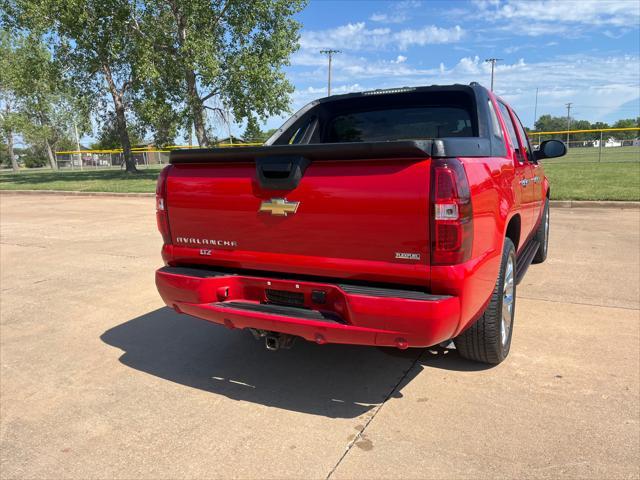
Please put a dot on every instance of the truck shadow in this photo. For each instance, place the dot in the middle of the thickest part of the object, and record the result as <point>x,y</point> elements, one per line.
<point>338,381</point>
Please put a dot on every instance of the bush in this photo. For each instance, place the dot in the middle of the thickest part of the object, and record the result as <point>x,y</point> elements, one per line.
<point>33,161</point>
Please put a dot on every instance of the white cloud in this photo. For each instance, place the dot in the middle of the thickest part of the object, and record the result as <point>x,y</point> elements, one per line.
<point>427,35</point>
<point>566,17</point>
<point>399,12</point>
<point>356,36</point>
<point>380,17</point>
<point>584,80</point>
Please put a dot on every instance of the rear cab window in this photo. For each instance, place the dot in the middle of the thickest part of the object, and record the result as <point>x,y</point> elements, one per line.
<point>381,116</point>
<point>430,121</point>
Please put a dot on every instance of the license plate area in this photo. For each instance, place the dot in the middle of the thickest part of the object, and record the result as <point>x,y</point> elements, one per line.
<point>284,297</point>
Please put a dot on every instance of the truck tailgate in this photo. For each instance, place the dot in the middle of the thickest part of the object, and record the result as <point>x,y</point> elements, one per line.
<point>364,219</point>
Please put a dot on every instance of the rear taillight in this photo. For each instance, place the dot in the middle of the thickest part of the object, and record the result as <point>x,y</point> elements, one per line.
<point>451,222</point>
<point>162,215</point>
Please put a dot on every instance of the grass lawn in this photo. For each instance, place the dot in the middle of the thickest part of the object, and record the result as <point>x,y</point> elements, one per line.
<point>604,155</point>
<point>594,181</point>
<point>569,181</point>
<point>107,180</point>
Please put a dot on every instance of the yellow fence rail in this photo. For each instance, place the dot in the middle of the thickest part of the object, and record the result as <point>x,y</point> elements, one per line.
<point>170,148</point>
<point>166,149</point>
<point>598,130</point>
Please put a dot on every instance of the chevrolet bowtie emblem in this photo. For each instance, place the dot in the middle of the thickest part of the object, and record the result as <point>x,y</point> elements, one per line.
<point>279,206</point>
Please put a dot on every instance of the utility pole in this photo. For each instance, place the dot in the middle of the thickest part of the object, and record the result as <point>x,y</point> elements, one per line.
<point>330,53</point>
<point>568,105</point>
<point>492,61</point>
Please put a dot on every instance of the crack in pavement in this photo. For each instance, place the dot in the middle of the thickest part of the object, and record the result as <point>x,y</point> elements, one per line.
<point>118,255</point>
<point>22,245</point>
<point>375,412</point>
<point>578,303</point>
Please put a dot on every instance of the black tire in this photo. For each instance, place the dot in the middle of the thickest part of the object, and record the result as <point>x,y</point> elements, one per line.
<point>485,341</point>
<point>542,235</point>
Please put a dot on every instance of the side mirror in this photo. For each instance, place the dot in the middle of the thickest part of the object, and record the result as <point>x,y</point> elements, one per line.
<point>550,149</point>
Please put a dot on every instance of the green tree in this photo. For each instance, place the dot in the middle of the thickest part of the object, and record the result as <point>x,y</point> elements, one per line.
<point>548,123</point>
<point>96,41</point>
<point>7,129</point>
<point>109,137</point>
<point>8,118</point>
<point>215,55</point>
<point>582,125</point>
<point>627,123</point>
<point>252,133</point>
<point>44,106</point>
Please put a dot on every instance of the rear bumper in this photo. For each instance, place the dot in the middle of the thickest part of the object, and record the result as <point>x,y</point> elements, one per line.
<point>349,314</point>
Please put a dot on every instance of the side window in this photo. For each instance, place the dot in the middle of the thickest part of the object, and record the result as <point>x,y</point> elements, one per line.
<point>511,130</point>
<point>299,134</point>
<point>525,140</point>
<point>495,124</point>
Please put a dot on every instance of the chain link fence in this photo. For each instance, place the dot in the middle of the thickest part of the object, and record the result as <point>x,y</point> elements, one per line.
<point>144,157</point>
<point>583,146</point>
<point>111,159</point>
<point>594,146</point>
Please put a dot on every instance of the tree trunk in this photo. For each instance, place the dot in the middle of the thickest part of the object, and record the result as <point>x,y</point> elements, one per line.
<point>121,120</point>
<point>196,104</point>
<point>123,133</point>
<point>197,109</point>
<point>9,133</point>
<point>50,155</point>
<point>12,156</point>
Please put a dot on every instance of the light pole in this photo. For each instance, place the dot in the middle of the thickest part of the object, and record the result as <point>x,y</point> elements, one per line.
<point>492,61</point>
<point>330,53</point>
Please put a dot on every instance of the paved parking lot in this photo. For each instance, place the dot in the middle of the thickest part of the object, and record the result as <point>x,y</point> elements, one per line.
<point>99,380</point>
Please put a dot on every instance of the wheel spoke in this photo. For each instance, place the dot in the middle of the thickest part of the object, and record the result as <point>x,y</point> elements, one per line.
<point>506,313</point>
<point>507,302</point>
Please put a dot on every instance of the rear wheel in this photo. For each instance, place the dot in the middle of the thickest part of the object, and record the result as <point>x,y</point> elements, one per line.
<point>542,235</point>
<point>488,340</point>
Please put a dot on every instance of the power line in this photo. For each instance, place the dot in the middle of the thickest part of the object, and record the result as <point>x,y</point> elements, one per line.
<point>330,53</point>
<point>492,61</point>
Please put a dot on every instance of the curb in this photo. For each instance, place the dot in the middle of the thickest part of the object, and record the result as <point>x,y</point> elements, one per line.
<point>75,193</point>
<point>553,203</point>
<point>593,204</point>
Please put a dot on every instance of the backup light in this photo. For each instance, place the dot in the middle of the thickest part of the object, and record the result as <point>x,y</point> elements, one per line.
<point>446,211</point>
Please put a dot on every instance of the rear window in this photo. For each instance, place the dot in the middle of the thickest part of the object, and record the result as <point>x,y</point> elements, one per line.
<point>400,124</point>
<point>415,114</point>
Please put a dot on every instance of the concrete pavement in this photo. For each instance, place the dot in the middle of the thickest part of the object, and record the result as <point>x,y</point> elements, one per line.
<point>99,380</point>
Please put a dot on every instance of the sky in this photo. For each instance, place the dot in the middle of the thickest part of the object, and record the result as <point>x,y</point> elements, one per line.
<point>586,52</point>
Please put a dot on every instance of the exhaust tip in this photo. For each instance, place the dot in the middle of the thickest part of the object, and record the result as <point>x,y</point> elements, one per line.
<point>272,343</point>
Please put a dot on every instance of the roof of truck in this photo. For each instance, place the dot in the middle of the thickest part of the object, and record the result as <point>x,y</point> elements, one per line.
<point>392,91</point>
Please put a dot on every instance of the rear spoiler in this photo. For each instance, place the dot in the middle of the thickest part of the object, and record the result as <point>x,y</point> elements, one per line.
<point>442,147</point>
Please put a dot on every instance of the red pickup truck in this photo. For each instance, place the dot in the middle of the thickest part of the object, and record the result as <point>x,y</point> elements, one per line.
<point>400,218</point>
